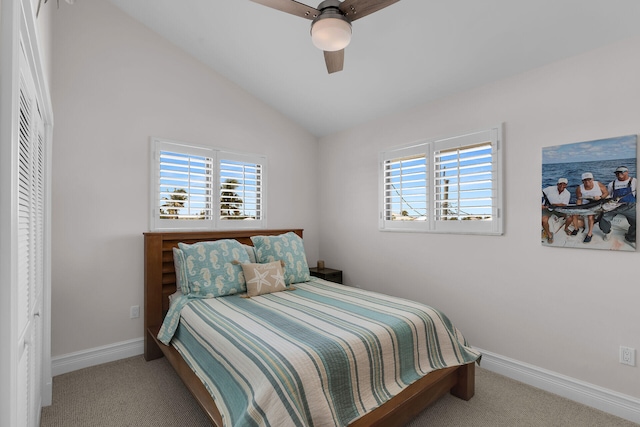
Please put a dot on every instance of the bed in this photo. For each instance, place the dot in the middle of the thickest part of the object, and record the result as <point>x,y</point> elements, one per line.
<point>160,284</point>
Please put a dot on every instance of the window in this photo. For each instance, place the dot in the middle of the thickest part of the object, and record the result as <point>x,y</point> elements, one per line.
<point>203,188</point>
<point>240,188</point>
<point>405,200</point>
<point>449,185</point>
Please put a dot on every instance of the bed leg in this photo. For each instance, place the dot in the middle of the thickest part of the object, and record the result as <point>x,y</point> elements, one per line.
<point>465,388</point>
<point>151,349</point>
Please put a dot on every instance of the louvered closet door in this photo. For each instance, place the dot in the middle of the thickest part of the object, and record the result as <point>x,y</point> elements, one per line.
<point>30,193</point>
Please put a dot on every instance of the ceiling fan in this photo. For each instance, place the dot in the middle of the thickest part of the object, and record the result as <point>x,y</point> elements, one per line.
<point>331,23</point>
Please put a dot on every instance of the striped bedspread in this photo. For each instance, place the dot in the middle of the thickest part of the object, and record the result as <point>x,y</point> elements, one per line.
<point>322,355</point>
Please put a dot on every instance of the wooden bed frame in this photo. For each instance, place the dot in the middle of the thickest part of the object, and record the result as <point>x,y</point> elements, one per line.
<point>160,282</point>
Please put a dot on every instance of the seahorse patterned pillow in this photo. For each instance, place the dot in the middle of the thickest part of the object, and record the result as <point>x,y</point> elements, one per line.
<point>264,278</point>
<point>210,268</point>
<point>287,247</point>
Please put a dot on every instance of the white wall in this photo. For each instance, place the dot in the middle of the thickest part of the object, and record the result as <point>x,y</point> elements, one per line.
<point>563,310</point>
<point>115,84</point>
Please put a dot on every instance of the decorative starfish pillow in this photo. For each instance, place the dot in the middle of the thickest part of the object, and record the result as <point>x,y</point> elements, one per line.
<point>264,278</point>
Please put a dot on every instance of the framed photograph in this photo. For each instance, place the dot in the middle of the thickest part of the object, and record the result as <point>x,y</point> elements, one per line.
<point>589,192</point>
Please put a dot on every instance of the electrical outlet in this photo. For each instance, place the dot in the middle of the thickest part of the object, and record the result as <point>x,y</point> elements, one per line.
<point>134,312</point>
<point>627,356</point>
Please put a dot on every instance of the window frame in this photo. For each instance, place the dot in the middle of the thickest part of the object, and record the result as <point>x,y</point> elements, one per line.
<point>431,149</point>
<point>223,155</point>
<point>398,155</point>
<point>215,156</point>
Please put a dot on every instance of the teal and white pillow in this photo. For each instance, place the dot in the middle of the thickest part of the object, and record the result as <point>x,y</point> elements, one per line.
<point>251,251</point>
<point>287,247</point>
<point>179,264</point>
<point>213,269</point>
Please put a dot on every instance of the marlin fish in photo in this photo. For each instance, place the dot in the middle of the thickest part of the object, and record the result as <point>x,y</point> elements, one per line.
<point>595,207</point>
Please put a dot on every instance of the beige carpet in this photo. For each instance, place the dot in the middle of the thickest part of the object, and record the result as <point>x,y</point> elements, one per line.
<point>132,392</point>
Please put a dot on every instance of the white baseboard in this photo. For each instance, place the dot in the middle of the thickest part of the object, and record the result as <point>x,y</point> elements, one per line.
<point>609,401</point>
<point>96,356</point>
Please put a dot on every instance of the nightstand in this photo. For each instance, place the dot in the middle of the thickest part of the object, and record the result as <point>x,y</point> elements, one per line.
<point>327,274</point>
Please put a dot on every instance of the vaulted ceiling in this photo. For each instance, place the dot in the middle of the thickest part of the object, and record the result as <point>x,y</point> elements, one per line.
<point>410,53</point>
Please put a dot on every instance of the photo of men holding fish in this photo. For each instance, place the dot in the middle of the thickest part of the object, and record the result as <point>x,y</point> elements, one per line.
<point>589,192</point>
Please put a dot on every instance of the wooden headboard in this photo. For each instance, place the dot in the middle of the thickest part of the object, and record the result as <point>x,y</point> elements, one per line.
<point>160,275</point>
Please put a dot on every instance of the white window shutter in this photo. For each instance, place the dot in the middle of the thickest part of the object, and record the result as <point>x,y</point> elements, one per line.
<point>405,188</point>
<point>202,188</point>
<point>241,190</point>
<point>182,186</point>
<point>447,185</point>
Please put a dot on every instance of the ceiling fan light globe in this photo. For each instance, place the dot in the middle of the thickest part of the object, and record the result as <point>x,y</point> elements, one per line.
<point>331,34</point>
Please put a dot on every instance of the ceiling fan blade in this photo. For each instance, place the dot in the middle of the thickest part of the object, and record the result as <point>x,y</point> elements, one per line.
<point>334,60</point>
<point>291,6</point>
<point>356,9</point>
